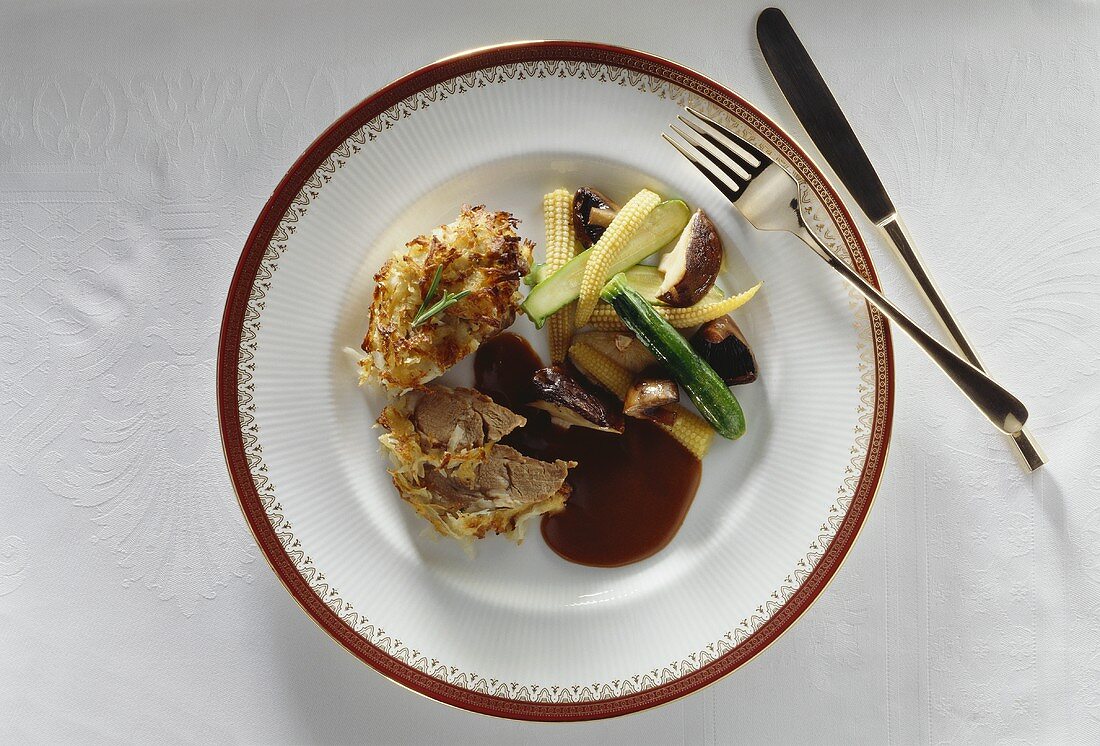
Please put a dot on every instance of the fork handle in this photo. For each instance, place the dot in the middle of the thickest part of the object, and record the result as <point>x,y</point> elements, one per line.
<point>898,236</point>
<point>1002,408</point>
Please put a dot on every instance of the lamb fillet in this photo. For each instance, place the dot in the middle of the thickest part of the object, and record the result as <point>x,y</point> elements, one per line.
<point>461,418</point>
<point>449,465</point>
<point>505,475</point>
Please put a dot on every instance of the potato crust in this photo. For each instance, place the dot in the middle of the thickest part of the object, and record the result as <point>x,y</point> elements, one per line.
<point>479,252</point>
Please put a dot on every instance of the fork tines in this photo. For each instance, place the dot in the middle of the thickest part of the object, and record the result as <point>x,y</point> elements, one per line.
<point>733,156</point>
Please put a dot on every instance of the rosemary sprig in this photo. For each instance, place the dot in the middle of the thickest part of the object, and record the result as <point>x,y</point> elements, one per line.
<point>429,309</point>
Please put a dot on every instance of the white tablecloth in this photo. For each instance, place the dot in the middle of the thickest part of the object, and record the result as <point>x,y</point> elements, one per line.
<point>138,141</point>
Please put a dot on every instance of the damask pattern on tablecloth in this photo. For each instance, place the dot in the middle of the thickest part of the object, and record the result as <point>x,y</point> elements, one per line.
<point>935,159</point>
<point>13,563</point>
<point>984,520</point>
<point>83,187</point>
<point>95,320</point>
<point>120,199</point>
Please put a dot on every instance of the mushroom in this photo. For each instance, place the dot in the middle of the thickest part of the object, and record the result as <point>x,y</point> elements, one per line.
<point>570,403</point>
<point>592,213</point>
<point>722,345</point>
<point>693,264</point>
<point>647,398</point>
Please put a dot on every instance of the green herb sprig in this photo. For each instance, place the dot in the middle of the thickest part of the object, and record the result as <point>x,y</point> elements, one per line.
<point>429,309</point>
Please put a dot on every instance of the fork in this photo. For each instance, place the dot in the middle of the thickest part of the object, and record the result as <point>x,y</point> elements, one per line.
<point>768,198</point>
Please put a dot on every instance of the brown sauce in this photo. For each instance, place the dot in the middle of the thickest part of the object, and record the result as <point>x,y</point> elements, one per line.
<point>630,491</point>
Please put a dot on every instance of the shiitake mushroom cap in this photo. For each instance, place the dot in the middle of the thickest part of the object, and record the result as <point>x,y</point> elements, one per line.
<point>570,402</point>
<point>591,211</point>
<point>650,394</point>
<point>723,346</point>
<point>692,266</point>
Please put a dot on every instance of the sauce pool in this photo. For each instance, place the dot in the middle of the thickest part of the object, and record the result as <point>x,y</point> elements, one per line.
<point>630,491</point>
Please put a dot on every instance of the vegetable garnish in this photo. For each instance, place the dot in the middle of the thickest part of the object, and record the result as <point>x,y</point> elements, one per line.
<point>710,394</point>
<point>449,299</point>
<point>693,264</point>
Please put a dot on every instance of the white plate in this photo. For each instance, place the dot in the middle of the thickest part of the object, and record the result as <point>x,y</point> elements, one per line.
<point>516,631</point>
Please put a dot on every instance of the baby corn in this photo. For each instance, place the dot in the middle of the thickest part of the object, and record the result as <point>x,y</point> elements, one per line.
<point>560,246</point>
<point>624,225</point>
<point>605,319</point>
<point>601,369</point>
<point>692,431</point>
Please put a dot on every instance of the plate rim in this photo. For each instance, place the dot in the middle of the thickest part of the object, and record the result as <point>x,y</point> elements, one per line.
<point>275,553</point>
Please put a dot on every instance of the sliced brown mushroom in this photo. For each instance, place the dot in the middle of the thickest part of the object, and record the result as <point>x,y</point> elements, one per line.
<point>592,213</point>
<point>722,345</point>
<point>647,398</point>
<point>693,264</point>
<point>570,402</point>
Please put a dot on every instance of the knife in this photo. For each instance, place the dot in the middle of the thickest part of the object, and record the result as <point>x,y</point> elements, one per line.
<point>821,116</point>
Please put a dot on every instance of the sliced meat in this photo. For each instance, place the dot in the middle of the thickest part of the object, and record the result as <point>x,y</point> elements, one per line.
<point>448,465</point>
<point>522,479</point>
<point>505,478</point>
<point>448,492</point>
<point>460,419</point>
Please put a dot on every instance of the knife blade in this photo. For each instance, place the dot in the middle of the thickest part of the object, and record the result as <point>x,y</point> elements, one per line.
<point>820,114</point>
<point>822,118</point>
